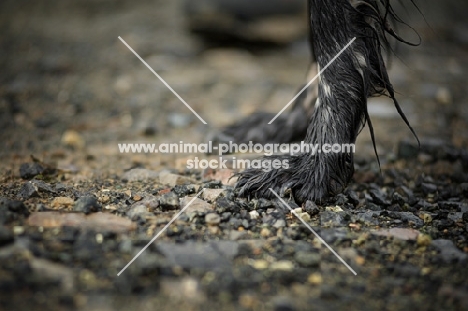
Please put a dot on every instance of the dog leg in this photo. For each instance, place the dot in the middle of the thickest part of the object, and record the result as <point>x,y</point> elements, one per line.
<point>340,110</point>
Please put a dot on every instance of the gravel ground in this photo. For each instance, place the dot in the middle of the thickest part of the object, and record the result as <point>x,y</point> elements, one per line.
<point>74,212</point>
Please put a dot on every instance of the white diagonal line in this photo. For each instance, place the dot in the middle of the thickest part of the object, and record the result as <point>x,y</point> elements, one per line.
<point>162,80</point>
<point>312,81</point>
<point>160,232</point>
<point>313,231</point>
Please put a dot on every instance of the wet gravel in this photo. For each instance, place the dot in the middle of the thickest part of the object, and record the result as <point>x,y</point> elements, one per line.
<point>74,212</point>
<point>404,232</point>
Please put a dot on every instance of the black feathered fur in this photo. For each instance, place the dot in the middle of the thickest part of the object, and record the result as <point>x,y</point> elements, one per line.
<point>340,110</point>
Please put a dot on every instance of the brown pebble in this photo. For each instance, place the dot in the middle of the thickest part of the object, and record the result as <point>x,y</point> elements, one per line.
<point>360,260</point>
<point>62,202</point>
<point>212,219</point>
<point>315,278</point>
<point>104,199</point>
<point>266,233</point>
<point>96,221</point>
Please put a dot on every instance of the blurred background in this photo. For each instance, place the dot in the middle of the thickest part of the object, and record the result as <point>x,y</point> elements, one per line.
<point>70,90</point>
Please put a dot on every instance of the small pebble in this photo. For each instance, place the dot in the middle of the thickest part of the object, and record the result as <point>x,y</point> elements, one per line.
<point>73,139</point>
<point>279,223</point>
<point>315,278</point>
<point>305,217</point>
<point>265,233</point>
<point>62,202</point>
<point>423,240</point>
<point>87,205</point>
<point>259,263</point>
<point>298,210</point>
<point>334,209</point>
<point>212,219</point>
<point>254,215</point>
<point>282,265</point>
<point>311,208</point>
<point>30,170</point>
<point>170,201</point>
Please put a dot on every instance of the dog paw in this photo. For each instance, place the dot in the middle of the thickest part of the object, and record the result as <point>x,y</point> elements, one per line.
<point>306,177</point>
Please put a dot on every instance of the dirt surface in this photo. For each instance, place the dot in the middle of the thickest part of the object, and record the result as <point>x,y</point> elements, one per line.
<point>74,211</point>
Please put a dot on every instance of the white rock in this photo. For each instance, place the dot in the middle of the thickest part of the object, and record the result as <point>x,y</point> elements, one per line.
<point>254,215</point>
<point>335,209</point>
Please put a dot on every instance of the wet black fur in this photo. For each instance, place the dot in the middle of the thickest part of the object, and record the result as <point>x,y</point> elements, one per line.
<point>288,127</point>
<point>338,116</point>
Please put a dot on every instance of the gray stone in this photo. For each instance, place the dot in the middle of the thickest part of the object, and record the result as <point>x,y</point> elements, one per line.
<point>184,190</point>
<point>449,252</point>
<point>207,256</point>
<point>149,201</point>
<point>428,188</point>
<point>330,235</point>
<point>450,205</point>
<point>378,197</point>
<point>210,195</point>
<point>312,208</point>
<point>398,199</point>
<point>136,210</point>
<point>42,186</point>
<point>307,259</point>
<point>333,219</point>
<point>87,205</point>
<point>457,216</point>
<point>411,219</point>
<point>169,201</point>
<point>268,220</point>
<point>443,224</point>
<point>59,187</point>
<point>212,219</point>
<point>197,205</point>
<point>353,197</point>
<point>368,218</point>
<point>33,188</point>
<point>279,223</point>
<point>13,206</point>
<point>167,178</point>
<point>11,210</point>
<point>28,190</point>
<point>30,170</point>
